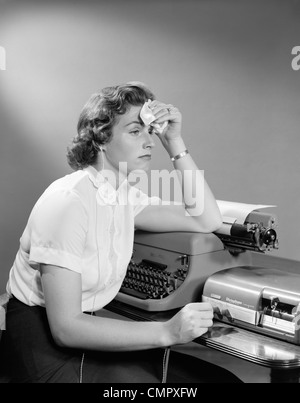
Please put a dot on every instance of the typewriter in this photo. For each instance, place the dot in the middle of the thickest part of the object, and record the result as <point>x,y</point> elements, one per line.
<point>169,270</point>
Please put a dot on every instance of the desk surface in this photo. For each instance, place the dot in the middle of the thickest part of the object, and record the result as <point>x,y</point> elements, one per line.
<point>251,346</point>
<point>245,344</point>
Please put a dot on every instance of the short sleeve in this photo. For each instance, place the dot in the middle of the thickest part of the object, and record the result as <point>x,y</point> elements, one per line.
<point>140,200</point>
<point>58,226</point>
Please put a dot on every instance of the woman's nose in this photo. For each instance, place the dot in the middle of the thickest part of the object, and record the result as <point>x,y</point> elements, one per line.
<point>149,141</point>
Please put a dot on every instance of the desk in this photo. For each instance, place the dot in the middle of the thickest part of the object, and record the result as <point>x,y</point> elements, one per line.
<point>282,358</point>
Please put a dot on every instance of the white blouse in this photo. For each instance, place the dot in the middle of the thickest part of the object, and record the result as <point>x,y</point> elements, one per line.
<point>83,224</point>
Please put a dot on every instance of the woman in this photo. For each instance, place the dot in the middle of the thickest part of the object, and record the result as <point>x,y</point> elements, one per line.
<point>78,242</point>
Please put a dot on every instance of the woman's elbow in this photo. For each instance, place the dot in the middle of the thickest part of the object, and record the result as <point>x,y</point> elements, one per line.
<point>212,225</point>
<point>63,335</point>
<point>216,224</point>
<point>61,338</point>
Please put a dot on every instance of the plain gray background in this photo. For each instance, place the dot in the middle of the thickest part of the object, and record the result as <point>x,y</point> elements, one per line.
<point>225,63</point>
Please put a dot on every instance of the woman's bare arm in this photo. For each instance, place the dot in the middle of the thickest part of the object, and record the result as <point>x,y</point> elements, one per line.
<point>72,328</point>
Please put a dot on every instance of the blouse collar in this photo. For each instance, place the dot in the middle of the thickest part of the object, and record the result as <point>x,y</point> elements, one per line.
<point>106,193</point>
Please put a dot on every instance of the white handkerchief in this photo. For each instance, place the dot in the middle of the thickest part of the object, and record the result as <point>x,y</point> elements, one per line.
<point>147,117</point>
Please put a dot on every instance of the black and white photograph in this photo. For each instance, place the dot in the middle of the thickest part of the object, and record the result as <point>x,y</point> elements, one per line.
<point>150,194</point>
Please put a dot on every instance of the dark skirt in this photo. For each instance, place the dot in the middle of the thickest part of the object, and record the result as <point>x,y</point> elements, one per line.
<point>32,356</point>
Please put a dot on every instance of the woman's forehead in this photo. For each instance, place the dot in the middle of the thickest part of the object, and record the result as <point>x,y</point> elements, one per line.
<point>132,115</point>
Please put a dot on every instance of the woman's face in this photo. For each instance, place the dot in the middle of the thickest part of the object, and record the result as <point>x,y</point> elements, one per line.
<point>131,143</point>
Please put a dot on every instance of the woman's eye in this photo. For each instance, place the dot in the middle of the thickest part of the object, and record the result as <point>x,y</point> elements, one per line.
<point>135,132</point>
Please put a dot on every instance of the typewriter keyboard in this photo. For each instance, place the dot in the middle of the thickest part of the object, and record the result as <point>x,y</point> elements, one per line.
<point>151,280</point>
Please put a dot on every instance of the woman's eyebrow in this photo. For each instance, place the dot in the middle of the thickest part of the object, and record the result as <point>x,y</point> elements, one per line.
<point>139,122</point>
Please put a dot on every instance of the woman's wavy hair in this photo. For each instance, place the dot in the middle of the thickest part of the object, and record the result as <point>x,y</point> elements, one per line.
<point>98,117</point>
